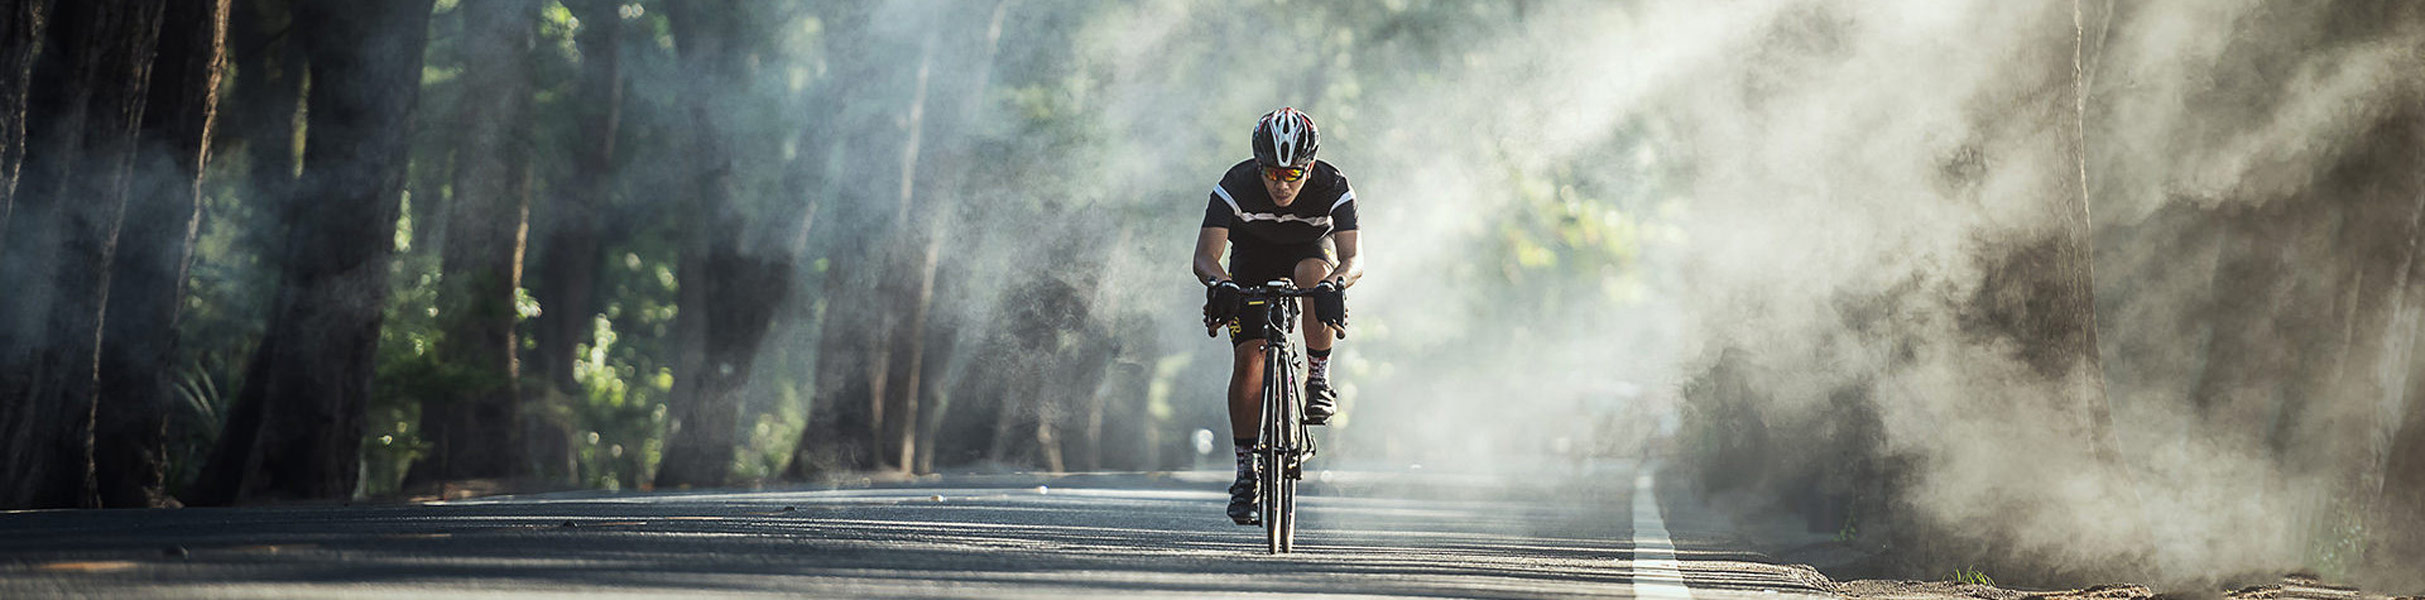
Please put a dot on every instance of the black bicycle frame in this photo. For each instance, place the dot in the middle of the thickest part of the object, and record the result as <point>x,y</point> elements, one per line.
<point>1284,443</point>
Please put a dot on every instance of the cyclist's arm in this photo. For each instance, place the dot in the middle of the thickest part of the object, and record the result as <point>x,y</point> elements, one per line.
<point>1351,264</point>
<point>1210,242</point>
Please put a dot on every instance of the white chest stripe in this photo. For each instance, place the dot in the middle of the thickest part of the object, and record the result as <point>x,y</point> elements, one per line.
<point>1321,221</point>
<point>1316,221</point>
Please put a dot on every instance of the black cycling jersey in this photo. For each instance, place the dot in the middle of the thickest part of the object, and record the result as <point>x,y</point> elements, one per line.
<point>1240,204</point>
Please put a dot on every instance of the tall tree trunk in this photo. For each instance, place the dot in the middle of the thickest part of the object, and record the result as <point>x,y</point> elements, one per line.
<point>266,101</point>
<point>474,429</point>
<point>844,397</point>
<point>88,99</point>
<point>572,250</point>
<point>21,25</point>
<point>725,293</point>
<point>922,221</point>
<point>840,435</point>
<point>155,244</point>
<point>2399,506</point>
<point>2385,194</point>
<point>263,107</point>
<point>311,378</point>
<point>898,340</point>
<point>2398,473</point>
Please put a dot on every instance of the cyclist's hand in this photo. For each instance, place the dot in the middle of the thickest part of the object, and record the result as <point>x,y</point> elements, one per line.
<point>1220,304</point>
<point>1330,307</point>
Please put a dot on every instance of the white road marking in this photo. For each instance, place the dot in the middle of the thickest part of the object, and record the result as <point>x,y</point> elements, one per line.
<point>1657,575</point>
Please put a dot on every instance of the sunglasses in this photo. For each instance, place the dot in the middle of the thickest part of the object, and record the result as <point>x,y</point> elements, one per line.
<point>1284,173</point>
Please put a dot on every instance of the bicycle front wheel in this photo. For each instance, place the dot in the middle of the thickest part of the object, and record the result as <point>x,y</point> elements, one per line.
<point>1286,511</point>
<point>1278,450</point>
<point>1275,503</point>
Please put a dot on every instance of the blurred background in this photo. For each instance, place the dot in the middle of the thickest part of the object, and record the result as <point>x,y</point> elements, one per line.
<point>2066,290</point>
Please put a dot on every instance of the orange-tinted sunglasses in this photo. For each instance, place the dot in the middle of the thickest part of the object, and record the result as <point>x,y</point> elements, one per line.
<point>1284,173</point>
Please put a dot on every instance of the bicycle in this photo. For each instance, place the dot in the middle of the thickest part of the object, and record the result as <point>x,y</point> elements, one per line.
<point>1283,443</point>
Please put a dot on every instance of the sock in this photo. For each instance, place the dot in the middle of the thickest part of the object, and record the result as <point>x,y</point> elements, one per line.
<point>1246,455</point>
<point>1320,359</point>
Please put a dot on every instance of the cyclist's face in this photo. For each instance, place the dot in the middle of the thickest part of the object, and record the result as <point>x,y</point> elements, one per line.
<point>1285,192</point>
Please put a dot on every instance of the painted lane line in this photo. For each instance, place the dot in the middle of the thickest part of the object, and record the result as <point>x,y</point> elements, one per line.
<point>1657,574</point>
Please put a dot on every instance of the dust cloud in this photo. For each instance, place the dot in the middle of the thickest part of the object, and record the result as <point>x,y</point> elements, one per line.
<point>1828,220</point>
<point>1829,259</point>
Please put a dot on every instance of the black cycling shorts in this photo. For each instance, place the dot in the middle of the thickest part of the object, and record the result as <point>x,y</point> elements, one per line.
<point>1253,264</point>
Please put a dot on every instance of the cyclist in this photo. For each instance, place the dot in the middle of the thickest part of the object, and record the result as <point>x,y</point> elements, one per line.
<point>1292,217</point>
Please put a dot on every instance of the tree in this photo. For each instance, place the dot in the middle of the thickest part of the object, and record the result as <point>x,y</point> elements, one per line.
<point>21,24</point>
<point>86,106</point>
<point>876,365</point>
<point>571,250</point>
<point>474,430</point>
<point>155,244</point>
<point>725,292</point>
<point>310,379</point>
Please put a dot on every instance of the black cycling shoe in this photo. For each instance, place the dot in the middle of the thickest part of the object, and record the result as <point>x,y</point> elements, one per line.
<point>1242,501</point>
<point>1321,403</point>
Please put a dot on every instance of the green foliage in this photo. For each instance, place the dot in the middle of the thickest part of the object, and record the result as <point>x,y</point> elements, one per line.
<point>2338,546</point>
<point>408,370</point>
<point>770,442</point>
<point>1972,575</point>
<point>625,374</point>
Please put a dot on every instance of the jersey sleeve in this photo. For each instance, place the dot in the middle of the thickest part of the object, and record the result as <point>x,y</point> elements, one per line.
<point>1218,213</point>
<point>1343,210</point>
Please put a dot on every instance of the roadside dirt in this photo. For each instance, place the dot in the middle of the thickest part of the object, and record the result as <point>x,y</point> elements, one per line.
<point>2293,587</point>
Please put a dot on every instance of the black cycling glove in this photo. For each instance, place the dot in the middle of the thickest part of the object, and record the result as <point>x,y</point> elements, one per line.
<point>1330,306</point>
<point>1221,302</point>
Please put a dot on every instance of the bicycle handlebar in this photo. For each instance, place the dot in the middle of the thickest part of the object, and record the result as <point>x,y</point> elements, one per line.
<point>1278,288</point>
<point>1287,290</point>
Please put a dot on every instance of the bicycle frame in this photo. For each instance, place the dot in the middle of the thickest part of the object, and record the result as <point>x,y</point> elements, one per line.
<point>1284,442</point>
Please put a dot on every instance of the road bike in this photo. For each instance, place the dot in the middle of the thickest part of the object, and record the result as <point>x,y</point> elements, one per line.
<point>1283,443</point>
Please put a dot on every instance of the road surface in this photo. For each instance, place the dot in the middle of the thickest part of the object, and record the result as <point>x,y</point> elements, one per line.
<point>1579,535</point>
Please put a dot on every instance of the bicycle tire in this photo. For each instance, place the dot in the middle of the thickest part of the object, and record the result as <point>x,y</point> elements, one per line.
<point>1279,507</point>
<point>1271,506</point>
<point>1274,465</point>
<point>1292,427</point>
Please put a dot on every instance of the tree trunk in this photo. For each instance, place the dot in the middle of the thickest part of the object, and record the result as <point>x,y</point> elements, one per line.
<point>88,99</point>
<point>899,338</point>
<point>725,294</point>
<point>265,102</point>
<point>844,396</point>
<point>473,429</point>
<point>2398,501</point>
<point>840,435</point>
<point>154,249</point>
<point>2399,507</point>
<point>311,380</point>
<point>21,25</point>
<point>571,254</point>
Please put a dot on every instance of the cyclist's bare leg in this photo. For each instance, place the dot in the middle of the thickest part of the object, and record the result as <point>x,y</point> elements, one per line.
<point>1246,390</point>
<point>1245,421</point>
<point>1310,272</point>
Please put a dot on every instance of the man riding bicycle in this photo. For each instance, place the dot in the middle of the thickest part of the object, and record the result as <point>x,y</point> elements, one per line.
<point>1290,216</point>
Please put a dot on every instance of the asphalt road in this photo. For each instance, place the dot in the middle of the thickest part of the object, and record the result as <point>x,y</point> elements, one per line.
<point>1366,534</point>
